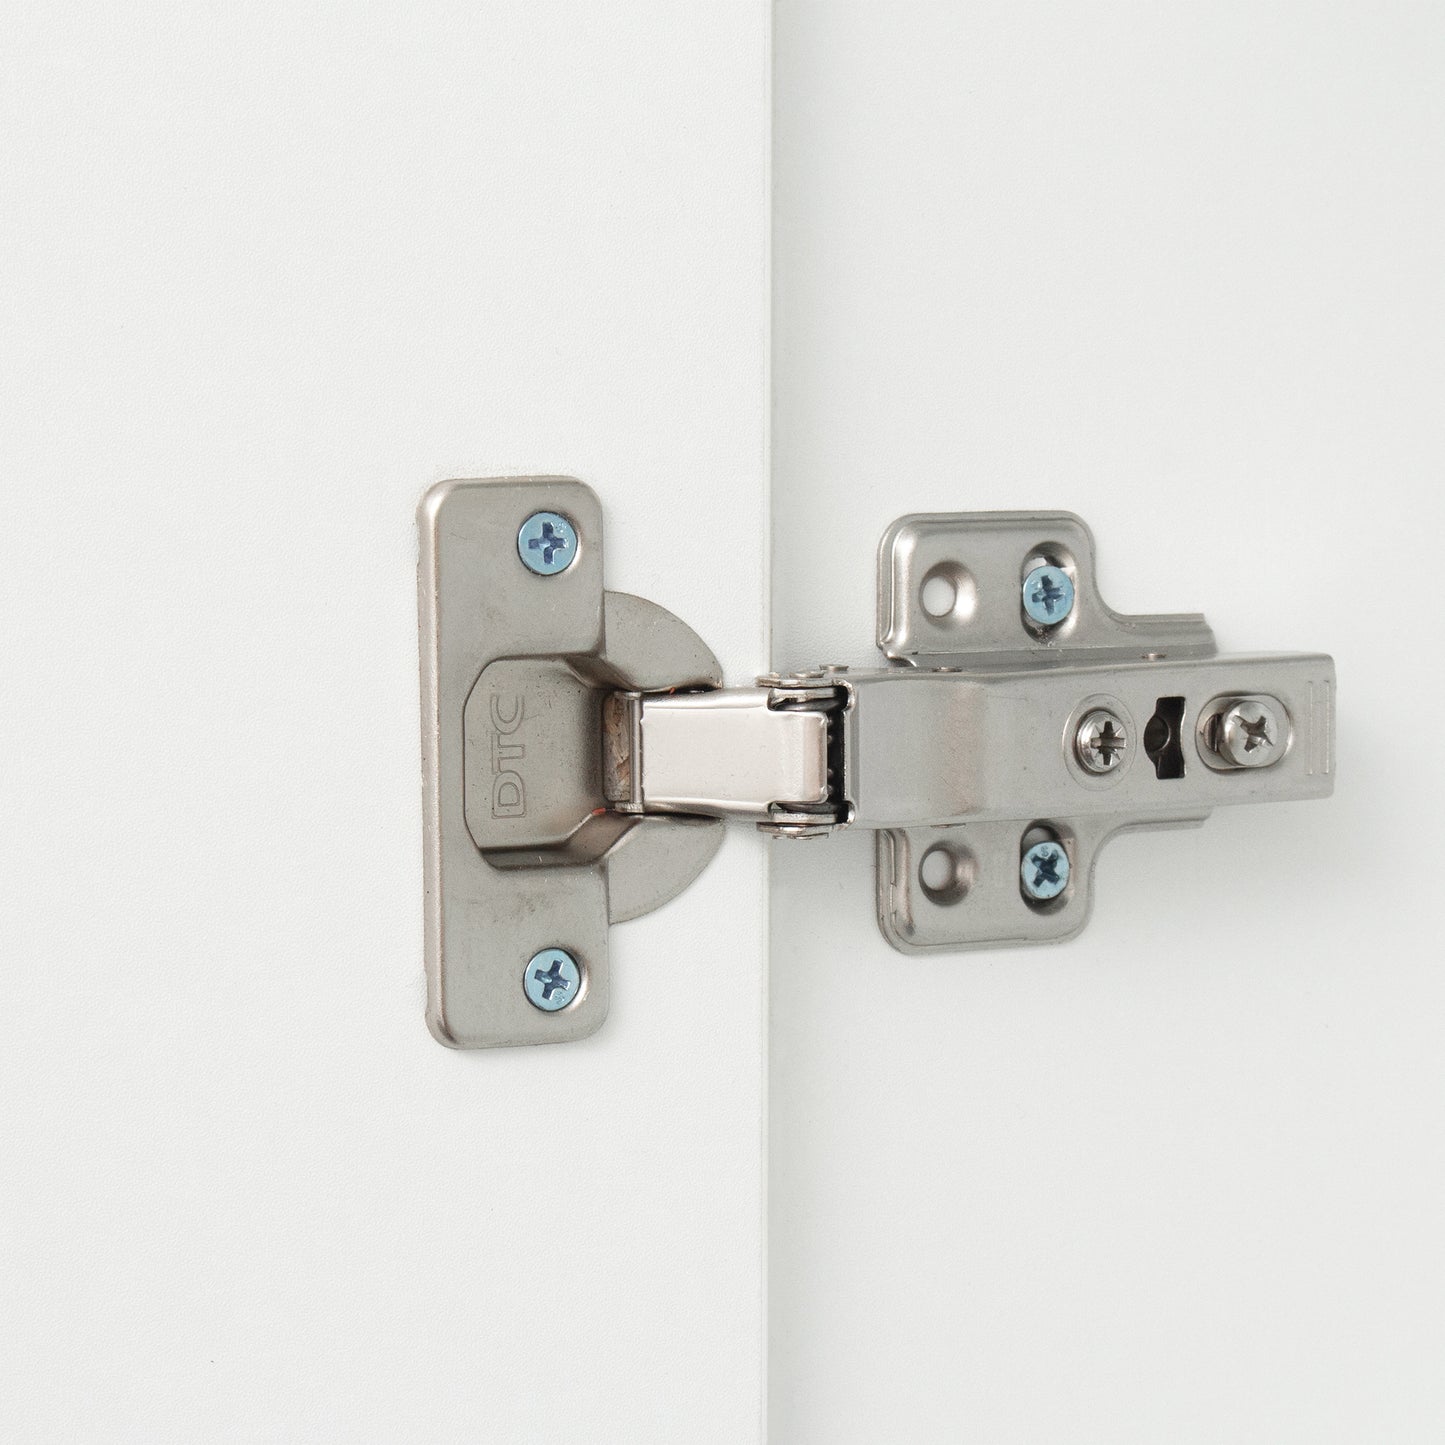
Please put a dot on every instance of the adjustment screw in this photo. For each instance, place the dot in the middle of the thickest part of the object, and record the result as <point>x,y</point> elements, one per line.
<point>1101,741</point>
<point>1249,734</point>
<point>1045,871</point>
<point>1048,595</point>
<point>547,543</point>
<point>552,979</point>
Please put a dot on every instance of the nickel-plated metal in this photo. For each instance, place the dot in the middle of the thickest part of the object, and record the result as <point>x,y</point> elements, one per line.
<point>985,551</point>
<point>1101,742</point>
<point>731,753</point>
<point>972,757</point>
<point>943,749</point>
<point>1245,732</point>
<point>580,752</point>
<point>520,847</point>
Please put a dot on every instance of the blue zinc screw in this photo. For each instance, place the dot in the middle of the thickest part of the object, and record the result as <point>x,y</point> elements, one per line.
<point>552,979</point>
<point>1045,871</point>
<point>1048,595</point>
<point>547,543</point>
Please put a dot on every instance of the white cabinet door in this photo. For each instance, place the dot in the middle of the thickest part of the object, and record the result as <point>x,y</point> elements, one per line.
<point>1177,269</point>
<point>269,270</point>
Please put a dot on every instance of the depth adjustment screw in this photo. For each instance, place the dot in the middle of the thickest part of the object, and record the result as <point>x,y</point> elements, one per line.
<point>1044,870</point>
<point>547,543</point>
<point>1101,741</point>
<point>1249,733</point>
<point>551,980</point>
<point>1048,595</point>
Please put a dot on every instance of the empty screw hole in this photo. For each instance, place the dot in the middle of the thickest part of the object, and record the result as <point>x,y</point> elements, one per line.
<point>946,873</point>
<point>948,593</point>
<point>939,595</point>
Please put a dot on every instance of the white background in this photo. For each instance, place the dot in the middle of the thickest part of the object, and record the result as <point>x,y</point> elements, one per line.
<point>268,271</point>
<point>1179,269</point>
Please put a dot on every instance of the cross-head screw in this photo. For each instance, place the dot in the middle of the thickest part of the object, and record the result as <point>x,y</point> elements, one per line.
<point>552,979</point>
<point>1101,741</point>
<point>1048,595</point>
<point>1249,732</point>
<point>1044,870</point>
<point>547,543</point>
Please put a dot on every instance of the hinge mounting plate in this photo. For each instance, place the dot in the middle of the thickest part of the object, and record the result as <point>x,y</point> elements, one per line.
<point>980,756</point>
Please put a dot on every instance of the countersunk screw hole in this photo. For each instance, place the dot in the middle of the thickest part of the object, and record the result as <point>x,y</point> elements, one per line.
<point>939,595</point>
<point>946,872</point>
<point>948,594</point>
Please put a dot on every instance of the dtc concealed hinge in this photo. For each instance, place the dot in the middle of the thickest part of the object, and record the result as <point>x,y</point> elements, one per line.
<point>580,751</point>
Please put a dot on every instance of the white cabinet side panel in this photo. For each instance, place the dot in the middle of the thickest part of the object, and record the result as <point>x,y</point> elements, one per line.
<point>1177,268</point>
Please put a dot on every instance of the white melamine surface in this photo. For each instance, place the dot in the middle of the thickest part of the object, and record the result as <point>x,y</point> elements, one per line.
<point>268,271</point>
<point>1180,270</point>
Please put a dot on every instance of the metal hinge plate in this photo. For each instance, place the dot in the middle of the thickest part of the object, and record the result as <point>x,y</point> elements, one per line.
<point>979,757</point>
<point>521,853</point>
<point>579,751</point>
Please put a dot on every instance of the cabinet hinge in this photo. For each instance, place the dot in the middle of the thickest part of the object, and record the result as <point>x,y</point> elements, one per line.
<point>580,752</point>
